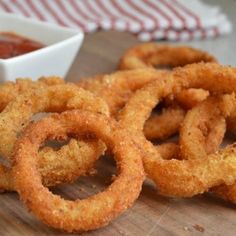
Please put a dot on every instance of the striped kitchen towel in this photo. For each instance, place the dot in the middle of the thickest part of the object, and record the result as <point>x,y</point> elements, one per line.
<point>178,20</point>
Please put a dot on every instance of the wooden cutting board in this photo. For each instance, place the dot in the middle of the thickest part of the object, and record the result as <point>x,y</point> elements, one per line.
<point>151,214</point>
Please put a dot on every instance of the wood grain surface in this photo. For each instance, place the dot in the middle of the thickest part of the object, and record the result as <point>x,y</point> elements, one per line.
<point>151,214</point>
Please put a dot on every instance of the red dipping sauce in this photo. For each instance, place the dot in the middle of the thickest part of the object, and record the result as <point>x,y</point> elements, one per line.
<point>12,45</point>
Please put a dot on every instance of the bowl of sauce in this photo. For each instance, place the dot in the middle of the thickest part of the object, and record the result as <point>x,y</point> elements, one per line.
<point>12,45</point>
<point>31,48</point>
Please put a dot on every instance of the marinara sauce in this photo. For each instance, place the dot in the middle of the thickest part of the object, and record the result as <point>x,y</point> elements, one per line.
<point>12,45</point>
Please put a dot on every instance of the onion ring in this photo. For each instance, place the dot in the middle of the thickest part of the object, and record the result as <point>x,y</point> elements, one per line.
<point>153,54</point>
<point>211,112</point>
<point>53,98</point>
<point>79,215</point>
<point>182,178</point>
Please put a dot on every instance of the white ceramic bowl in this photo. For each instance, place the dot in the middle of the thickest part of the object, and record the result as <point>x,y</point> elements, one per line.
<point>62,45</point>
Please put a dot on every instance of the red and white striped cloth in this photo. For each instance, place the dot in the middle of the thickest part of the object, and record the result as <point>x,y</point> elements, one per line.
<point>149,19</point>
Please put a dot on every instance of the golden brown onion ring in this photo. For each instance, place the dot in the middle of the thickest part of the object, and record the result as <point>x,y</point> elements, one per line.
<point>208,117</point>
<point>59,97</point>
<point>93,212</point>
<point>154,55</point>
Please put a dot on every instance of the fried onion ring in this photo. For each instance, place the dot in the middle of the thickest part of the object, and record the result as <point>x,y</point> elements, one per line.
<point>211,114</point>
<point>153,55</point>
<point>182,178</point>
<point>59,97</point>
<point>93,212</point>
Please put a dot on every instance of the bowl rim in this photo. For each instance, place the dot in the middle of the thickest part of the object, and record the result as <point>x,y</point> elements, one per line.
<point>73,34</point>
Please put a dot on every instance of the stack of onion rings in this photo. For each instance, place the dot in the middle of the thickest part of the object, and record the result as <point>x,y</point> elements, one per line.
<point>182,178</point>
<point>117,88</point>
<point>198,101</point>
